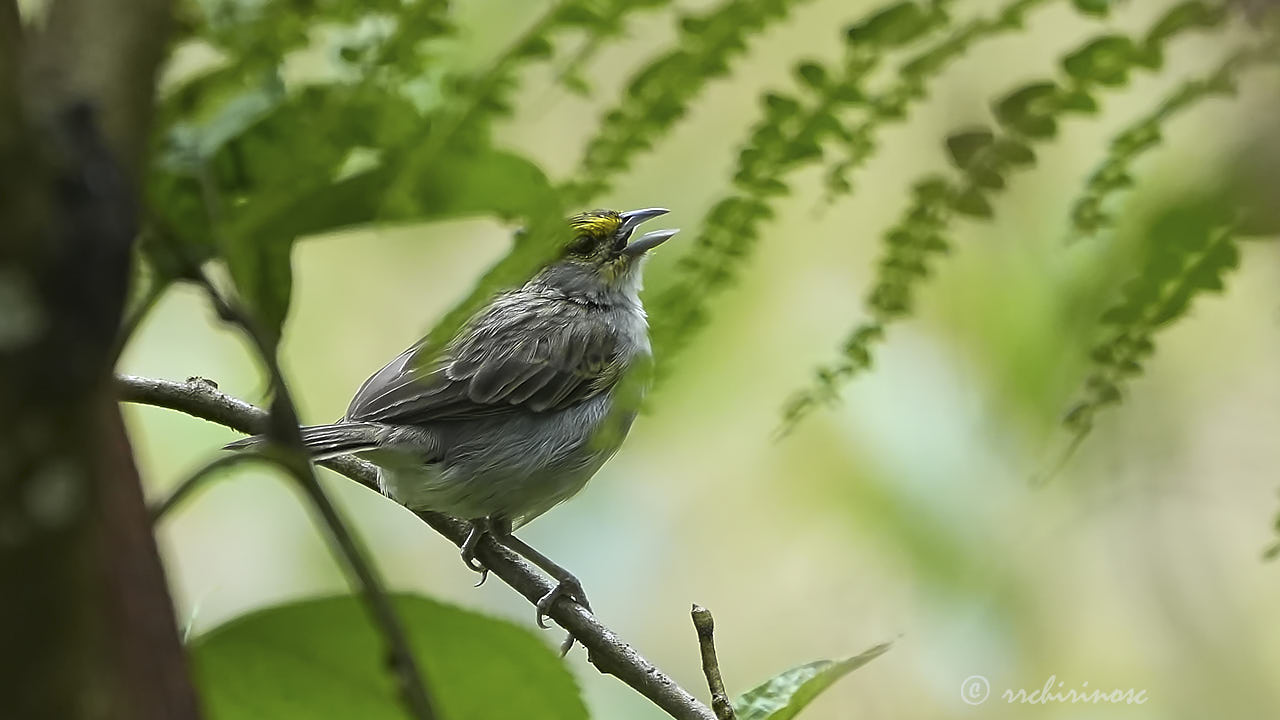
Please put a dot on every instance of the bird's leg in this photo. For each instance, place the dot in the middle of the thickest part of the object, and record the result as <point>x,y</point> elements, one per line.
<point>566,584</point>
<point>479,527</point>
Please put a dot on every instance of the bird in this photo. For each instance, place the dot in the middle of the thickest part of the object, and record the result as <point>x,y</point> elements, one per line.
<point>516,412</point>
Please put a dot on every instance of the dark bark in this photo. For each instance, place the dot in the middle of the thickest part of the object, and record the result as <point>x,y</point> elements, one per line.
<point>86,624</point>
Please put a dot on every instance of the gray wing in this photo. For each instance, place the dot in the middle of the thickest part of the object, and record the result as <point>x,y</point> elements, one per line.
<point>507,360</point>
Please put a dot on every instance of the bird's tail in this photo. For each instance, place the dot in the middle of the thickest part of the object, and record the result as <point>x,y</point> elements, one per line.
<point>324,441</point>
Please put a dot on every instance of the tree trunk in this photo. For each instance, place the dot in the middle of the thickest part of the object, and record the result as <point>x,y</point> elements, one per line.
<point>86,623</point>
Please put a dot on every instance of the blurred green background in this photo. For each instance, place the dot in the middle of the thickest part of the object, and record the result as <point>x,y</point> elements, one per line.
<point>907,513</point>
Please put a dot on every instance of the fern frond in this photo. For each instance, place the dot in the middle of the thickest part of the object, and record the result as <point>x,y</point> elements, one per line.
<point>790,133</point>
<point>985,158</point>
<point>893,104</point>
<point>1114,174</point>
<point>659,93</point>
<point>601,20</point>
<point>1273,551</point>
<point>1189,253</point>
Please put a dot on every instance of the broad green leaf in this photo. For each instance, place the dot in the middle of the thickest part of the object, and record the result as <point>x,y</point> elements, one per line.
<point>263,276</point>
<point>475,182</point>
<point>460,185</point>
<point>322,659</point>
<point>785,695</point>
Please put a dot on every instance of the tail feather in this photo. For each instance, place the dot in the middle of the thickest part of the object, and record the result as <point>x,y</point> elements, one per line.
<point>325,441</point>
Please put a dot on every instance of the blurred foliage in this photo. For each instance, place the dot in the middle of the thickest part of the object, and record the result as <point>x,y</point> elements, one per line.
<point>1115,172</point>
<point>1188,248</point>
<point>389,126</point>
<point>657,96</point>
<point>893,103</point>
<point>985,157</point>
<point>790,134</point>
<point>319,659</point>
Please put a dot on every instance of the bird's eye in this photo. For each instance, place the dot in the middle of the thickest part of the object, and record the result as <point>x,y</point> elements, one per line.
<point>582,245</point>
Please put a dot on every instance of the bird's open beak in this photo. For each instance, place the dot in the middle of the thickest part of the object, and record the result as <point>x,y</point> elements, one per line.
<point>650,240</point>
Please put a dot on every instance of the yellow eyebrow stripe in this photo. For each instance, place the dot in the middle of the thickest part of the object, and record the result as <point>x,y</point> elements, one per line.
<point>596,222</point>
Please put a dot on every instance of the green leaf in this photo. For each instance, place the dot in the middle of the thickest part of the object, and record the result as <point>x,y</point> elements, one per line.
<point>964,146</point>
<point>1271,553</point>
<point>1105,61</point>
<point>1099,8</point>
<point>263,275</point>
<point>1030,109</point>
<point>812,75</point>
<point>1077,100</point>
<point>474,182</point>
<point>478,183</point>
<point>785,695</point>
<point>1013,153</point>
<point>896,25</point>
<point>972,202</point>
<point>780,107</point>
<point>322,659</point>
<point>1186,16</point>
<point>535,47</point>
<point>193,143</point>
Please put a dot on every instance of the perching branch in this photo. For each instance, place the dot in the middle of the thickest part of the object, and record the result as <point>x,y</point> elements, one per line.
<point>282,430</point>
<point>705,625</point>
<point>201,398</point>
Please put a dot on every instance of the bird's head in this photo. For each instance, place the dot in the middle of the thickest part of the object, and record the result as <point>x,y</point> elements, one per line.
<point>602,255</point>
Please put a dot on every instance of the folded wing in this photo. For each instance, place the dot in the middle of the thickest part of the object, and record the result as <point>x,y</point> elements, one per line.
<point>508,360</point>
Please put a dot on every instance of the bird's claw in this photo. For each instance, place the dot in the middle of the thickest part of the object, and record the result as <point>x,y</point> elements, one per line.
<point>568,587</point>
<point>473,564</point>
<point>469,552</point>
<point>566,645</point>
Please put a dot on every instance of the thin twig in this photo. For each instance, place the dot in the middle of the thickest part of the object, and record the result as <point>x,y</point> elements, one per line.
<point>283,430</point>
<point>133,320</point>
<point>192,481</point>
<point>201,398</point>
<point>705,625</point>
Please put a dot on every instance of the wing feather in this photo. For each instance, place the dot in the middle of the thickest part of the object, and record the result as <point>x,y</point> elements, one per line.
<point>511,358</point>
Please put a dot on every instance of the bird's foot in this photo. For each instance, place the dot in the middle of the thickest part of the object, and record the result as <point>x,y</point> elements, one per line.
<point>478,530</point>
<point>569,587</point>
